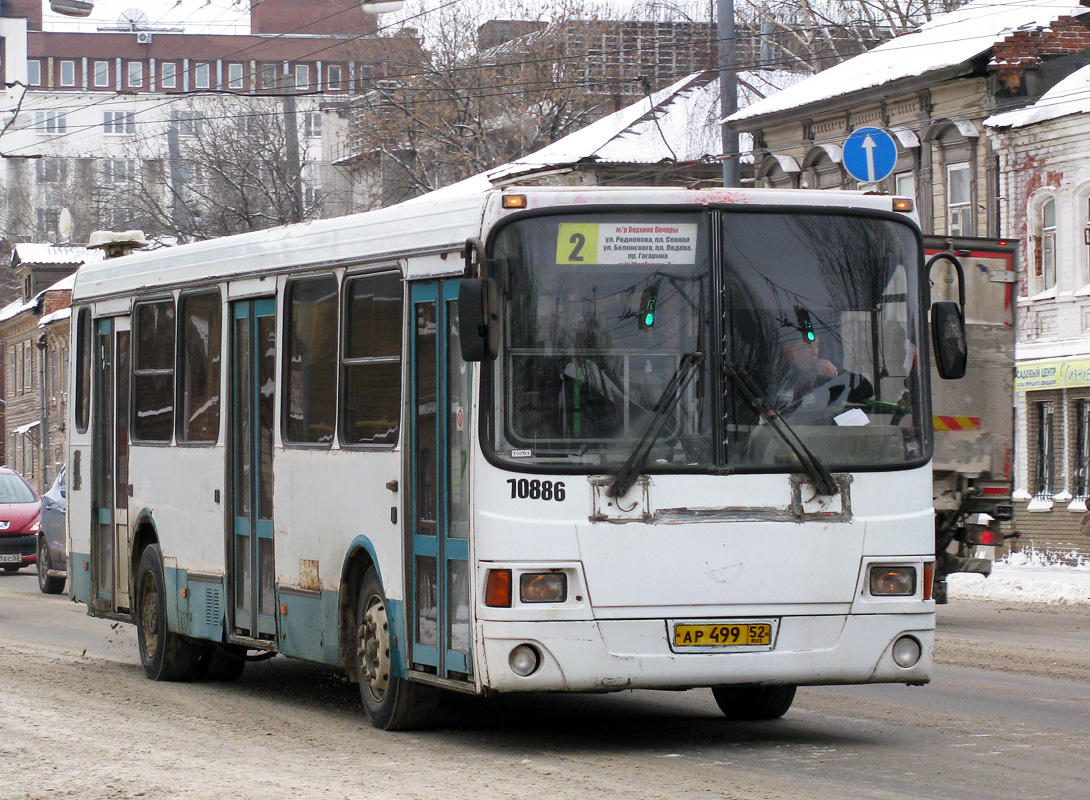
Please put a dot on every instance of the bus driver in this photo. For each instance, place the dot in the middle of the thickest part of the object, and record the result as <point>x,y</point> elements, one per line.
<point>813,389</point>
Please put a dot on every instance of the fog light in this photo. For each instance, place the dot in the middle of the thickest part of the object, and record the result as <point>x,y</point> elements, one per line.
<point>524,660</point>
<point>893,581</point>
<point>906,652</point>
<point>543,587</point>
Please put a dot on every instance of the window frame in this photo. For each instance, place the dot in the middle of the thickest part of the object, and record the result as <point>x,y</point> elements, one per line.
<point>1045,450</point>
<point>136,371</point>
<point>101,78</point>
<point>134,74</point>
<point>180,374</point>
<point>302,71</point>
<point>118,123</point>
<point>66,65</point>
<point>236,75</point>
<point>1047,239</point>
<point>344,362</point>
<point>34,72</point>
<point>330,83</point>
<point>288,350</point>
<point>1081,472</point>
<point>202,75</point>
<point>965,207</point>
<point>82,380</point>
<point>168,81</point>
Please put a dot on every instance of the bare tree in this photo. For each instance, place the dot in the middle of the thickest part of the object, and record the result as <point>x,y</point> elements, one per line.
<point>217,167</point>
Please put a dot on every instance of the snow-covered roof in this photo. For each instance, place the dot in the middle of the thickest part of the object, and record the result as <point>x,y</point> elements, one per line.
<point>54,254</point>
<point>947,41</point>
<point>17,307</point>
<point>677,124</point>
<point>1069,96</point>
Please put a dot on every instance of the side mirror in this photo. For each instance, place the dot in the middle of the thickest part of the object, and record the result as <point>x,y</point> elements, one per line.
<point>949,340</point>
<point>479,319</point>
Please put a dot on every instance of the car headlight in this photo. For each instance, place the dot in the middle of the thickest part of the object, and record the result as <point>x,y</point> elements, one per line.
<point>35,526</point>
<point>892,581</point>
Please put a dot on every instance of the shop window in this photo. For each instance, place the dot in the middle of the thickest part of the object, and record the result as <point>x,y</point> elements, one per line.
<point>1045,471</point>
<point>1082,449</point>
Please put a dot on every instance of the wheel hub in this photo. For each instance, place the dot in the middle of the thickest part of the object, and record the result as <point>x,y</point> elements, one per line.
<point>149,616</point>
<point>374,648</point>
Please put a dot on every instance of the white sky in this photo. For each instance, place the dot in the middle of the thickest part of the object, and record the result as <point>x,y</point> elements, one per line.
<point>196,16</point>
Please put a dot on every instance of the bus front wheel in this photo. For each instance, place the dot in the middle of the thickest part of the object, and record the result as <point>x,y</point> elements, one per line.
<point>391,703</point>
<point>165,656</point>
<point>754,702</point>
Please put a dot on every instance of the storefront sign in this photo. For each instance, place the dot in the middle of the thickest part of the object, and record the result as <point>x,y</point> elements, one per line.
<point>1052,375</point>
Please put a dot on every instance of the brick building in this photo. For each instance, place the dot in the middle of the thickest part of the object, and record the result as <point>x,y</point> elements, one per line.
<point>95,109</point>
<point>34,332</point>
<point>1044,153</point>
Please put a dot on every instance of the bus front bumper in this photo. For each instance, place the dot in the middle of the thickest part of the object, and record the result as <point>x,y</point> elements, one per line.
<point>612,655</point>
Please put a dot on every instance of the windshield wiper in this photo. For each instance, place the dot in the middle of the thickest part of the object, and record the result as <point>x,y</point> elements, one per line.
<point>626,475</point>
<point>819,474</point>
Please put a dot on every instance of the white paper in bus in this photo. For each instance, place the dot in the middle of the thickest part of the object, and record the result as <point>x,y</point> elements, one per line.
<point>626,243</point>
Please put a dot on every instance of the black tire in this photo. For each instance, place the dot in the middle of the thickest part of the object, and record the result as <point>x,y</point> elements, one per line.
<point>754,702</point>
<point>392,704</point>
<point>165,655</point>
<point>47,583</point>
<point>222,663</point>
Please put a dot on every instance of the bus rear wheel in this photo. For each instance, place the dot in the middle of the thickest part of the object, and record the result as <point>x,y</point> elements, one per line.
<point>391,703</point>
<point>165,655</point>
<point>754,702</point>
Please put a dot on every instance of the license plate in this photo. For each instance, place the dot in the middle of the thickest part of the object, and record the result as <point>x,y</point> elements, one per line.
<point>11,559</point>
<point>728,634</point>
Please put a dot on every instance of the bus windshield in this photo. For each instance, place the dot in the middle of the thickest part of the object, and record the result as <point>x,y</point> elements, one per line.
<point>818,314</point>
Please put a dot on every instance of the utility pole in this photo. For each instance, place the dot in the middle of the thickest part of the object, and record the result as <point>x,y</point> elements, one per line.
<point>291,142</point>
<point>728,89</point>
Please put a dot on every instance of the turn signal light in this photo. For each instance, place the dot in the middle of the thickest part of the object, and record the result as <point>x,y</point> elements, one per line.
<point>514,201</point>
<point>928,579</point>
<point>893,581</point>
<point>905,204</point>
<point>497,590</point>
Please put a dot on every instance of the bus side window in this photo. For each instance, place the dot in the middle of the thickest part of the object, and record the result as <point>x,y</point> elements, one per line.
<point>371,401</point>
<point>153,371</point>
<point>310,364</point>
<point>83,369</point>
<point>199,367</point>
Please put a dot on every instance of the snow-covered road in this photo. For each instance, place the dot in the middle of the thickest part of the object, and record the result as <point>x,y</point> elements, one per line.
<point>1027,577</point>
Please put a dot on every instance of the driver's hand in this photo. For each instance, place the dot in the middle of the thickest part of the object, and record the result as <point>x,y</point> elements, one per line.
<point>827,369</point>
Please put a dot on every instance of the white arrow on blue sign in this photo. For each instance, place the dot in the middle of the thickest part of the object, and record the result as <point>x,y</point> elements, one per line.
<point>869,154</point>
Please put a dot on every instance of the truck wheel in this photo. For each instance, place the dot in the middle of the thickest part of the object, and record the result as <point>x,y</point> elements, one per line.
<point>391,703</point>
<point>754,702</point>
<point>47,584</point>
<point>165,656</point>
<point>222,663</point>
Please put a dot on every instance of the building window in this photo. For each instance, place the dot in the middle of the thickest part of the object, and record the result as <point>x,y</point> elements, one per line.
<point>50,170</point>
<point>959,200</point>
<point>202,75</point>
<point>311,398</point>
<point>1082,449</point>
<point>34,72</point>
<point>68,73</point>
<point>135,74</point>
<point>269,76</point>
<point>102,74</point>
<point>199,368</point>
<point>49,223</point>
<point>119,170</point>
<point>904,185</point>
<point>371,397</point>
<point>189,123</point>
<point>153,371</point>
<point>168,75</point>
<point>1043,479</point>
<point>119,122</point>
<point>52,123</point>
<point>234,76</point>
<point>1047,266</point>
<point>312,124</point>
<point>28,366</point>
<point>333,75</point>
<point>302,76</point>
<point>312,197</point>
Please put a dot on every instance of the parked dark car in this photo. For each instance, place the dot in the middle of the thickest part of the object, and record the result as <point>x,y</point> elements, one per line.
<point>52,539</point>
<point>20,511</point>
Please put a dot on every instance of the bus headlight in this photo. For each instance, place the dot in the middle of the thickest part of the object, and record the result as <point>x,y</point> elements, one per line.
<point>524,660</point>
<point>893,581</point>
<point>543,587</point>
<point>906,652</point>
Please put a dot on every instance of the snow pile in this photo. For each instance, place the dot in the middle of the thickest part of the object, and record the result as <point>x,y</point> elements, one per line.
<point>1029,576</point>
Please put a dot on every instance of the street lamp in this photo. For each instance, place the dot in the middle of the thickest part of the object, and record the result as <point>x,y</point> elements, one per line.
<point>72,8</point>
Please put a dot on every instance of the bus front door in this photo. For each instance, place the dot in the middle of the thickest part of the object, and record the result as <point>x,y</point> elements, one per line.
<point>439,493</point>
<point>253,354</point>
<point>110,545</point>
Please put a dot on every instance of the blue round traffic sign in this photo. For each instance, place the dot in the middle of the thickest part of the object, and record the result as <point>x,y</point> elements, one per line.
<point>869,154</point>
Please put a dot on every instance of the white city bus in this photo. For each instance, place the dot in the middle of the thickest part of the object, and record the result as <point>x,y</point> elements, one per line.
<point>521,439</point>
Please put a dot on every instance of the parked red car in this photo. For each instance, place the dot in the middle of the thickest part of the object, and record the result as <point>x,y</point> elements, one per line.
<point>20,512</point>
